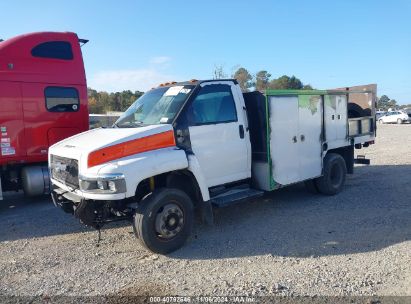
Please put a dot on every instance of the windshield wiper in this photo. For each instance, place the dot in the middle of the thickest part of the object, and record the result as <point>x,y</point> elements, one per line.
<point>130,124</point>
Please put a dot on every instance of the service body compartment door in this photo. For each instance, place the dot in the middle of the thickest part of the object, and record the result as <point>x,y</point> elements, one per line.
<point>295,139</point>
<point>283,143</point>
<point>335,117</point>
<point>309,136</point>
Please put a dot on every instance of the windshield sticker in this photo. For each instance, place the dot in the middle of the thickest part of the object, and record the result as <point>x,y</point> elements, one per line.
<point>164,120</point>
<point>5,140</point>
<point>173,91</point>
<point>3,129</point>
<point>3,145</point>
<point>185,91</point>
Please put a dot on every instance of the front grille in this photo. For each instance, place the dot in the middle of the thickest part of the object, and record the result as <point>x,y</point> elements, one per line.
<point>65,170</point>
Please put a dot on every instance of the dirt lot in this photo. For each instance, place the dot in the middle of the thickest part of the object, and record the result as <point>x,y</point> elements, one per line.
<point>289,243</point>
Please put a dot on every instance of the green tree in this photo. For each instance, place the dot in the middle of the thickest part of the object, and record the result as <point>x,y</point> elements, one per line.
<point>383,102</point>
<point>307,87</point>
<point>286,83</point>
<point>294,83</point>
<point>392,103</point>
<point>244,78</point>
<point>262,78</point>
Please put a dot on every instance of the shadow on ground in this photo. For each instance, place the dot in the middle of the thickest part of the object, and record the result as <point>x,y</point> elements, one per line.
<point>24,218</point>
<point>373,212</point>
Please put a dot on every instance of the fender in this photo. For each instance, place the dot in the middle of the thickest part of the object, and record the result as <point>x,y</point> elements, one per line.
<point>195,168</point>
<point>138,167</point>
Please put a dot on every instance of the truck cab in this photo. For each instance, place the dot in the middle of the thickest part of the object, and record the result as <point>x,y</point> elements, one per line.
<point>192,146</point>
<point>43,99</point>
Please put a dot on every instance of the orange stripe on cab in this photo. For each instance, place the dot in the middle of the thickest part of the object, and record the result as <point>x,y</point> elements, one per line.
<point>144,144</point>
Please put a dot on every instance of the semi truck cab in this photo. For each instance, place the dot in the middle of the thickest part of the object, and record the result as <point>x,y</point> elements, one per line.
<point>191,146</point>
<point>43,99</point>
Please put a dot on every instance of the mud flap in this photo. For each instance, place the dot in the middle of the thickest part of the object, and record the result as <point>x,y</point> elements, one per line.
<point>206,212</point>
<point>361,160</point>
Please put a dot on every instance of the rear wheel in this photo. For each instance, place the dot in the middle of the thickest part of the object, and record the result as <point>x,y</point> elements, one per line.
<point>399,121</point>
<point>333,178</point>
<point>164,221</point>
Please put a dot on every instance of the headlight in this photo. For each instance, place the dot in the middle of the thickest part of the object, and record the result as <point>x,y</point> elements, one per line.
<point>108,183</point>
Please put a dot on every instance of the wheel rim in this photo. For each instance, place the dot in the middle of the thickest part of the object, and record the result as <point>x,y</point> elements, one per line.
<point>169,221</point>
<point>336,175</point>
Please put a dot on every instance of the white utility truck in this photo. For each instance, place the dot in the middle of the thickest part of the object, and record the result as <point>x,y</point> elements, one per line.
<point>191,146</point>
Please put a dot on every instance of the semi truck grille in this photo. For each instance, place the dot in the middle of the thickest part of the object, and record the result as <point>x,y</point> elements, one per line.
<point>65,170</point>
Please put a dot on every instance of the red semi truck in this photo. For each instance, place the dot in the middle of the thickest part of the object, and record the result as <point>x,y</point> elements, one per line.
<point>43,99</point>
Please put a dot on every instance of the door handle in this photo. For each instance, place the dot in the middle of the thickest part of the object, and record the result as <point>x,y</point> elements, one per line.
<point>241,130</point>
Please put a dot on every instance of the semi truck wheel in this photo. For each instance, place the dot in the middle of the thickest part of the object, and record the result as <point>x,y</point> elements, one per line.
<point>334,173</point>
<point>164,221</point>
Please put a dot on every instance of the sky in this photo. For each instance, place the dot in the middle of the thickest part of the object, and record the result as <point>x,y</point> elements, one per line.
<point>136,45</point>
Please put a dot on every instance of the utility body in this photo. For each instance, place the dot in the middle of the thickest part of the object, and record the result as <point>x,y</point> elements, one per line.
<point>195,145</point>
<point>43,99</point>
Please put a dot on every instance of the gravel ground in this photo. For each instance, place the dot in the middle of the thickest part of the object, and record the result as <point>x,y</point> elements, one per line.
<point>288,243</point>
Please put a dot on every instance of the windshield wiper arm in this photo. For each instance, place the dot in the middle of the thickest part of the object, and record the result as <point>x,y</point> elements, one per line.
<point>130,124</point>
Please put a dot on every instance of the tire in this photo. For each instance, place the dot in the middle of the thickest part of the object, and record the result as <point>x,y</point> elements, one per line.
<point>334,173</point>
<point>311,186</point>
<point>399,121</point>
<point>164,221</point>
<point>381,121</point>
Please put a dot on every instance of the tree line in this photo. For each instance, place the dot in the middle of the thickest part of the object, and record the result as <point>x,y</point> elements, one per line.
<point>261,80</point>
<point>102,102</point>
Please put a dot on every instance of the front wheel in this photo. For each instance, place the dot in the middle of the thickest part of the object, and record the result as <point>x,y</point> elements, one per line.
<point>333,178</point>
<point>399,121</point>
<point>164,221</point>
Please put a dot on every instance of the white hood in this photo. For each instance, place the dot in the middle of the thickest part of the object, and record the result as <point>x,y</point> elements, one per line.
<point>95,139</point>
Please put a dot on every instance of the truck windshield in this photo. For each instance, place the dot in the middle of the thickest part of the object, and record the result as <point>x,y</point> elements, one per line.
<point>158,106</point>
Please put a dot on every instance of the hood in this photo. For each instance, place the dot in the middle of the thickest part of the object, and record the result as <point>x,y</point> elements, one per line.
<point>97,139</point>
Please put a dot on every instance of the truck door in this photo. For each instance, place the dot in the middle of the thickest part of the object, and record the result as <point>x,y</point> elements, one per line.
<point>295,142</point>
<point>218,134</point>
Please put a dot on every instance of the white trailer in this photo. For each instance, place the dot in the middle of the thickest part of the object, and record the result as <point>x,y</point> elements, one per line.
<point>192,146</point>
